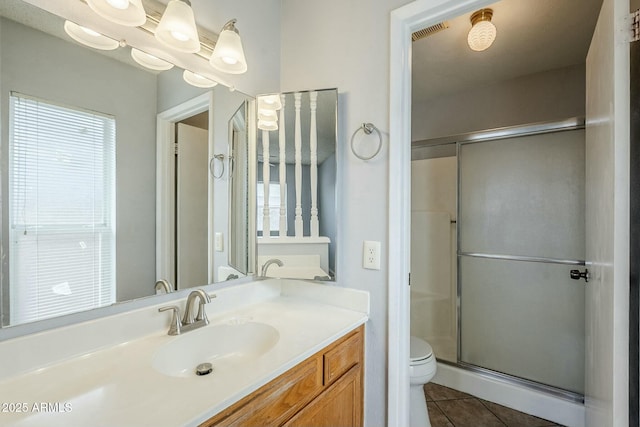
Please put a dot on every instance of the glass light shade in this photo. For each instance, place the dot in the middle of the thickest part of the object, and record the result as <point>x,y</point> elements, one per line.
<point>88,37</point>
<point>177,28</point>
<point>481,36</point>
<point>267,125</point>
<point>228,55</point>
<point>269,102</point>
<point>150,61</point>
<point>268,115</point>
<point>197,80</point>
<point>124,12</point>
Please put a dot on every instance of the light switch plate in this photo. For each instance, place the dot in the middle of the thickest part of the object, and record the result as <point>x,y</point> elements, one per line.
<point>218,242</point>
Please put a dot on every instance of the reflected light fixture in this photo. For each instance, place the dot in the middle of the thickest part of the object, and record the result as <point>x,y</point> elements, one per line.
<point>197,80</point>
<point>228,55</point>
<point>88,37</point>
<point>177,27</point>
<point>267,125</point>
<point>149,61</point>
<point>482,32</point>
<point>124,12</point>
<point>268,115</point>
<point>269,102</point>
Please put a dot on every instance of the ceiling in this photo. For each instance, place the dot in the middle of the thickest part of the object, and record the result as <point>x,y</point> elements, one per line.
<point>532,36</point>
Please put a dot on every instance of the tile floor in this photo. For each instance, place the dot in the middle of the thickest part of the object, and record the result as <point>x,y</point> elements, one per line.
<point>452,408</point>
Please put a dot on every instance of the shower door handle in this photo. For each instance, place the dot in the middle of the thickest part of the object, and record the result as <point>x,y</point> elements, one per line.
<point>577,274</point>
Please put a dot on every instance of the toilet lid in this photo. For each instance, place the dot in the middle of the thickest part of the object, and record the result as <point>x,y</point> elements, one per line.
<point>419,349</point>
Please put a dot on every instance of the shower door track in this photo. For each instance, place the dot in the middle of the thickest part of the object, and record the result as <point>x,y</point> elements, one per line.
<point>570,124</point>
<point>522,382</point>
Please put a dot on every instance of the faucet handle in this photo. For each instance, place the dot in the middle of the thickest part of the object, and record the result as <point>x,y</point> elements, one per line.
<point>174,327</point>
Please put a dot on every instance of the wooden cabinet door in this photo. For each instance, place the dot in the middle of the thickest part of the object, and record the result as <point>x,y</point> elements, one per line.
<point>339,406</point>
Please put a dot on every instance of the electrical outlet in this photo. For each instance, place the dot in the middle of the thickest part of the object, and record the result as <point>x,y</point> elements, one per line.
<point>371,255</point>
<point>218,242</point>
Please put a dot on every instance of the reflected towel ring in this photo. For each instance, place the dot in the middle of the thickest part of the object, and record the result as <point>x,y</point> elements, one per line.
<point>211,165</point>
<point>367,128</point>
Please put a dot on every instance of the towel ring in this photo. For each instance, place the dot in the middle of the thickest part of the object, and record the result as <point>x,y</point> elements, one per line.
<point>367,128</point>
<point>211,165</point>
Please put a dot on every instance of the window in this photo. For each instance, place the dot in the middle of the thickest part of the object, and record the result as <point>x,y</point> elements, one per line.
<point>62,210</point>
<point>274,206</point>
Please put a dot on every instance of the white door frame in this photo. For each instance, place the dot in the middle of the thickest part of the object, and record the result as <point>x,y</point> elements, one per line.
<point>405,20</point>
<point>165,181</point>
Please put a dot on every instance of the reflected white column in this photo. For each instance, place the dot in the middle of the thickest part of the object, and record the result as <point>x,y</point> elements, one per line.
<point>283,172</point>
<point>298,169</point>
<point>266,178</point>
<point>313,148</point>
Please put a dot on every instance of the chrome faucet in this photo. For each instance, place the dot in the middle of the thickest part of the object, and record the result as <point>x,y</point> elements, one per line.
<point>267,264</point>
<point>189,322</point>
<point>163,285</point>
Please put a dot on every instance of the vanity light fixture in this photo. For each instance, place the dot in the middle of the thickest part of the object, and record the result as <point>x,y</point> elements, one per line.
<point>88,37</point>
<point>268,115</point>
<point>269,102</point>
<point>197,80</point>
<point>482,32</point>
<point>228,54</point>
<point>177,27</point>
<point>150,61</point>
<point>124,12</point>
<point>267,125</point>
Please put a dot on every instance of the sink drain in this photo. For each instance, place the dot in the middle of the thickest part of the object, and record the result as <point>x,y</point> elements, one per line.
<point>204,369</point>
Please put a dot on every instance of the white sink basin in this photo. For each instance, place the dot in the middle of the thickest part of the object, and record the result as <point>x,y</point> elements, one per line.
<point>221,345</point>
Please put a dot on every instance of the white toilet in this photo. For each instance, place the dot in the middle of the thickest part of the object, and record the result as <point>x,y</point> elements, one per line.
<point>422,368</point>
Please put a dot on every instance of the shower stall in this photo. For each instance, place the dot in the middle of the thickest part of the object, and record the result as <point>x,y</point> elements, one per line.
<point>497,227</point>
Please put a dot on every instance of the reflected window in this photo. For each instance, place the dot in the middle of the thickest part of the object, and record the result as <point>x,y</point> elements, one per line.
<point>274,207</point>
<point>62,215</point>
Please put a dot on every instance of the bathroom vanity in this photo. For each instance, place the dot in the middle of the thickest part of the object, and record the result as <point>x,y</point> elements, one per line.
<point>284,352</point>
<point>324,390</point>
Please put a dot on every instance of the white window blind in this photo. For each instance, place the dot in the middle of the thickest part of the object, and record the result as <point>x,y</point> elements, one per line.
<point>274,206</point>
<point>62,210</point>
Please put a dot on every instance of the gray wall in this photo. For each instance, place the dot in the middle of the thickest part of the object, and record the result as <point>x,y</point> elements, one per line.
<point>64,72</point>
<point>327,212</point>
<point>552,95</point>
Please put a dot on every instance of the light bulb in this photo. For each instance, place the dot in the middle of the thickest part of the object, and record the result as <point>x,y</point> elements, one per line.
<point>229,60</point>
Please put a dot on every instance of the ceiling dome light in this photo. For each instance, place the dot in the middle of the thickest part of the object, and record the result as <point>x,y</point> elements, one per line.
<point>267,125</point>
<point>124,12</point>
<point>149,61</point>
<point>482,32</point>
<point>197,80</point>
<point>177,27</point>
<point>228,55</point>
<point>88,37</point>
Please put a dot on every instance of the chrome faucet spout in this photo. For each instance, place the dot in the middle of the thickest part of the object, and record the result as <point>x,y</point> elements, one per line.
<point>188,318</point>
<point>163,285</point>
<point>267,264</point>
<point>188,322</point>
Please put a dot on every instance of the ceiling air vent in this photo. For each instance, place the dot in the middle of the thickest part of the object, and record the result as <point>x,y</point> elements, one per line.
<point>429,31</point>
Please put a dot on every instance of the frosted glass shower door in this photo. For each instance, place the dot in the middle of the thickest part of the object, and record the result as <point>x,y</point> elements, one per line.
<point>521,231</point>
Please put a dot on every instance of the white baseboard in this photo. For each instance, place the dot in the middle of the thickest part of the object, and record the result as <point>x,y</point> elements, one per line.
<point>513,396</point>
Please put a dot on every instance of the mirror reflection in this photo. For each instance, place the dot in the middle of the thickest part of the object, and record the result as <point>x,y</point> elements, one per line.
<point>296,189</point>
<point>80,182</point>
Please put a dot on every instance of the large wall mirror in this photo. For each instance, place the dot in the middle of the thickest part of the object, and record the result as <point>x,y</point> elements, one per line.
<point>296,185</point>
<point>80,185</point>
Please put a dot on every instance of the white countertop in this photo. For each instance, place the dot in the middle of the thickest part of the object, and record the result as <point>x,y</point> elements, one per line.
<point>117,385</point>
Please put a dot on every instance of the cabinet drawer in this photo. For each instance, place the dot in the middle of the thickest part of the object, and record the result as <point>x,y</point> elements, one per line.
<point>275,402</point>
<point>342,357</point>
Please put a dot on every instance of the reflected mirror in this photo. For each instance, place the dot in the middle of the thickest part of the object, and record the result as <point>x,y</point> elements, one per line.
<point>296,185</point>
<point>80,181</point>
